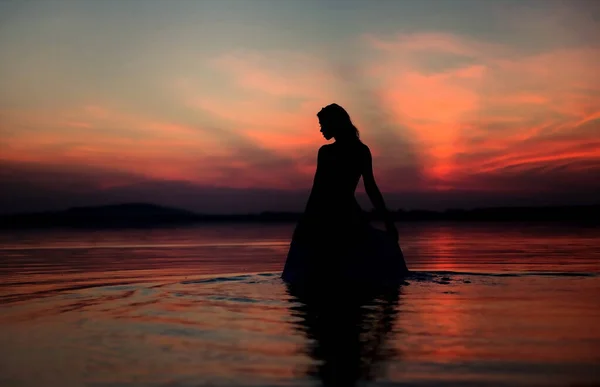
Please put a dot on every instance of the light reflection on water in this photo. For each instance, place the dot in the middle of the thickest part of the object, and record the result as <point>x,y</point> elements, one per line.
<point>487,306</point>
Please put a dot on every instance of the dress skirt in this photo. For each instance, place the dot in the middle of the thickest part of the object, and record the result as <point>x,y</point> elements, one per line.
<point>344,253</point>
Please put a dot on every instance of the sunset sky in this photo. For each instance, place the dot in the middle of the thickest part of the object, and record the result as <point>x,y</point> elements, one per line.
<point>211,105</point>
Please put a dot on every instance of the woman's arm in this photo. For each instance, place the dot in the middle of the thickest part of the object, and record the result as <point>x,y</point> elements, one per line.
<point>375,194</point>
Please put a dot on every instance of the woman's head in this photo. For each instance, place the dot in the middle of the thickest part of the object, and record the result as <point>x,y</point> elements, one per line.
<point>335,122</point>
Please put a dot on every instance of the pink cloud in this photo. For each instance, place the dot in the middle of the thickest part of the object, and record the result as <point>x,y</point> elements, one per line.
<point>278,73</point>
<point>438,42</point>
<point>489,106</point>
<point>496,114</point>
<point>90,136</point>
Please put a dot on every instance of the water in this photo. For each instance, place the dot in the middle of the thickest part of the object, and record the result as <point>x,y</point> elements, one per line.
<point>488,304</point>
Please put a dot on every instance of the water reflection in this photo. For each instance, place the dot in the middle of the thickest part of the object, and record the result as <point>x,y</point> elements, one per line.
<point>347,331</point>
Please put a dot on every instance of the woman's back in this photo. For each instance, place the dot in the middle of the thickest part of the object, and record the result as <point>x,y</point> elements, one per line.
<point>338,170</point>
<point>332,211</point>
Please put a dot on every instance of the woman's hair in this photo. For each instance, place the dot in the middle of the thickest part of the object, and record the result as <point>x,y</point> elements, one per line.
<point>336,115</point>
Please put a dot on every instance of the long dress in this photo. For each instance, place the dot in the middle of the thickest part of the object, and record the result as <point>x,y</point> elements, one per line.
<point>333,241</point>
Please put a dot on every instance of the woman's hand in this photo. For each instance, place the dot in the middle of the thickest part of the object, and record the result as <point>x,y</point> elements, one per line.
<point>391,229</point>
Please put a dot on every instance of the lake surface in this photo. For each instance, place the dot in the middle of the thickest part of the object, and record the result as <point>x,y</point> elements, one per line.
<point>488,304</point>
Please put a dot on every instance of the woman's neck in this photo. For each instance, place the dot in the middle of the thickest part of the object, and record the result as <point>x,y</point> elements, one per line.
<point>345,139</point>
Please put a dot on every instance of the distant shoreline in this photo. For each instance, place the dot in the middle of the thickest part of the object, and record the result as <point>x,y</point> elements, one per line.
<point>150,215</point>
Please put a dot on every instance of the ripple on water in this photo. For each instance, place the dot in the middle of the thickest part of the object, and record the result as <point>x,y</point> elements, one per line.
<point>253,330</point>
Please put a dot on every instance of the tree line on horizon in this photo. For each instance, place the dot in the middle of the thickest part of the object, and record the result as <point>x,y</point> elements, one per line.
<point>143,214</point>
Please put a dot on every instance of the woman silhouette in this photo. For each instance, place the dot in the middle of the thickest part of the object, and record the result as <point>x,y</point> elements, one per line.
<point>334,238</point>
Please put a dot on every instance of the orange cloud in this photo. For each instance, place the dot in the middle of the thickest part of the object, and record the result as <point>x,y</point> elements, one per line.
<point>109,139</point>
<point>441,112</point>
<point>277,73</point>
<point>489,106</point>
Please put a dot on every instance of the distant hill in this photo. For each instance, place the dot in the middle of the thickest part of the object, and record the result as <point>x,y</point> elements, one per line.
<point>126,214</point>
<point>129,210</point>
<point>150,215</point>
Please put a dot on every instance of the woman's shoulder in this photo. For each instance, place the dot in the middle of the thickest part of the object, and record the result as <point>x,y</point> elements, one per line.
<point>359,148</point>
<point>325,148</point>
<point>363,149</point>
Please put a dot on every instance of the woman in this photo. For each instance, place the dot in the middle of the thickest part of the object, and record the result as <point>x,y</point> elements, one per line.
<point>333,238</point>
